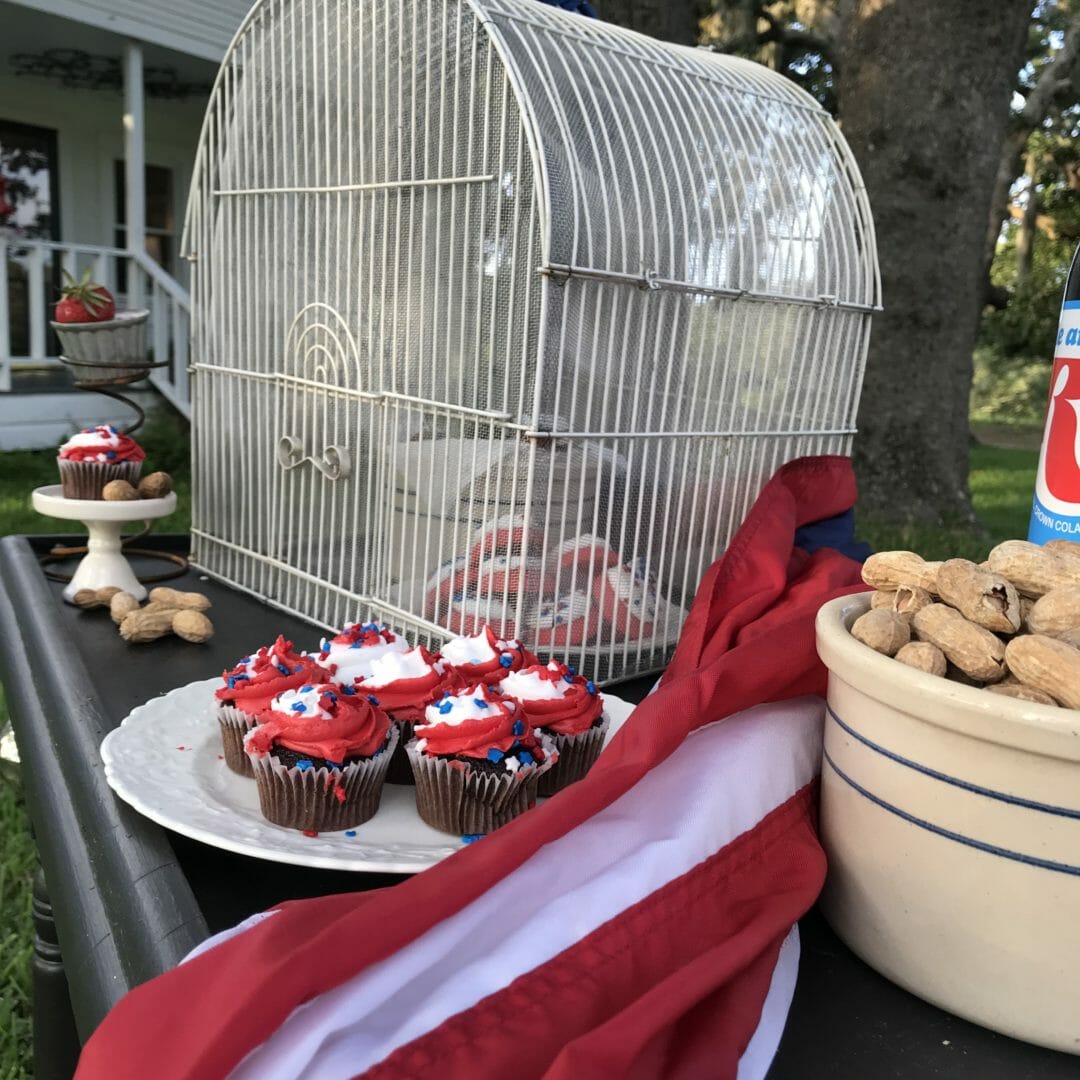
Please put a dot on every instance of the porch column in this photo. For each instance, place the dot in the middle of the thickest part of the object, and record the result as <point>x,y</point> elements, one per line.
<point>134,165</point>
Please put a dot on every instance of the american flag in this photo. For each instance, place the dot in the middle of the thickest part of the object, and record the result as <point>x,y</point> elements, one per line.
<point>638,924</point>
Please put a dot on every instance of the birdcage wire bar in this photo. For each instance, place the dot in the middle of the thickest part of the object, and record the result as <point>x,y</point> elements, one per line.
<point>505,315</point>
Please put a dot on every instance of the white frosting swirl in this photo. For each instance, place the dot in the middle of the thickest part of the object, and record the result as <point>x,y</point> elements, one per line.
<point>101,435</point>
<point>466,651</point>
<point>531,686</point>
<point>307,696</point>
<point>474,704</point>
<point>354,661</point>
<point>391,667</point>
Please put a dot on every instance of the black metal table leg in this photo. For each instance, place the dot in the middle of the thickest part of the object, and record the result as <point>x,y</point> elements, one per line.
<point>56,1042</point>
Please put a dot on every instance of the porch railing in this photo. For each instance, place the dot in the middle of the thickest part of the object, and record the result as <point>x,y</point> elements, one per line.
<point>29,283</point>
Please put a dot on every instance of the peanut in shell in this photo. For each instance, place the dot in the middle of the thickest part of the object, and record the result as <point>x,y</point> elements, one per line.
<point>1055,612</point>
<point>923,656</point>
<point>1048,665</point>
<point>984,598</point>
<point>883,630</point>
<point>1021,692</point>
<point>890,569</point>
<point>910,598</point>
<point>977,652</point>
<point>1032,569</point>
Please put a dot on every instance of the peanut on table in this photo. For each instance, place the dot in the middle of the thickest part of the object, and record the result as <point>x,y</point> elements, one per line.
<point>168,612</point>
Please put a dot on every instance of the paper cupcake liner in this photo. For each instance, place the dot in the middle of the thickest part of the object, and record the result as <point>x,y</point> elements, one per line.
<point>235,724</point>
<point>577,753</point>
<point>400,771</point>
<point>305,799</point>
<point>85,479</point>
<point>456,799</point>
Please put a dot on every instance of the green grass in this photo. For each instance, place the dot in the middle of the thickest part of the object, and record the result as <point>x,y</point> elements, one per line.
<point>17,861</point>
<point>1002,485</point>
<point>1002,481</point>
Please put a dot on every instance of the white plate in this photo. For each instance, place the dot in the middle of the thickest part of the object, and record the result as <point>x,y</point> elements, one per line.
<point>165,760</point>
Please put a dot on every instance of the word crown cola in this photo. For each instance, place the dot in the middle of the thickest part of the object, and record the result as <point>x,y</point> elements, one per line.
<point>1055,513</point>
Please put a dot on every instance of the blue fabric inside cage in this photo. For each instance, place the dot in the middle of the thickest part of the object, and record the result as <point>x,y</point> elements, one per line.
<point>579,6</point>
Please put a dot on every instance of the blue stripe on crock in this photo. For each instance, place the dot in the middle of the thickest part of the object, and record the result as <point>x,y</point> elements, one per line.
<point>1013,800</point>
<point>948,834</point>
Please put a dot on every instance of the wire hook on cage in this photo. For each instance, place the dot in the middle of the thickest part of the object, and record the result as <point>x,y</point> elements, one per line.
<point>335,462</point>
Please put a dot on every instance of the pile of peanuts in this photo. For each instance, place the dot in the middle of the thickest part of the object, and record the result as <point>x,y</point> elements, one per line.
<point>1010,624</point>
<point>168,612</point>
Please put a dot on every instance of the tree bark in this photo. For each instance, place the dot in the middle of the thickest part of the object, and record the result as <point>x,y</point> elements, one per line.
<point>924,95</point>
<point>677,20</point>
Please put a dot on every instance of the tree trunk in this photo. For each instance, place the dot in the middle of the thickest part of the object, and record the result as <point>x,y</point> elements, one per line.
<point>924,95</point>
<point>1025,236</point>
<point>677,20</point>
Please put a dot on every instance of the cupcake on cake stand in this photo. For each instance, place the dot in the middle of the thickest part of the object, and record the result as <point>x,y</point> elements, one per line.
<point>104,564</point>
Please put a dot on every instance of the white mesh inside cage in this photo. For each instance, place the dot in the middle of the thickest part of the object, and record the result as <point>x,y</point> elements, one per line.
<point>506,315</point>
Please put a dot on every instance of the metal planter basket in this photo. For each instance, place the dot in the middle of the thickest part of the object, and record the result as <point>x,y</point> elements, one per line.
<point>111,351</point>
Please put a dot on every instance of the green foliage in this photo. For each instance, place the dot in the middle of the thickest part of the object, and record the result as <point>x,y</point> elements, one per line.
<point>1016,344</point>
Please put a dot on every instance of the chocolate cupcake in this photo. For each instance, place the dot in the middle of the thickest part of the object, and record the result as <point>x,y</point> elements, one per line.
<point>403,685</point>
<point>566,707</point>
<point>485,657</point>
<point>250,687</point>
<point>476,762</point>
<point>94,457</point>
<point>349,655</point>
<point>320,757</point>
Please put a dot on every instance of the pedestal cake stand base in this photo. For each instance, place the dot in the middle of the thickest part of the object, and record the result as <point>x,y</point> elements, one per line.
<point>104,564</point>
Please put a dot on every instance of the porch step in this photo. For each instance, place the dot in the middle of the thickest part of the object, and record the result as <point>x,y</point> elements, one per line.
<point>43,408</point>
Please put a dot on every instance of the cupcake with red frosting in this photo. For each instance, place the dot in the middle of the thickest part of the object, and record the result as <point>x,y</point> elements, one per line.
<point>320,756</point>
<point>94,457</point>
<point>486,657</point>
<point>404,684</point>
<point>349,656</point>
<point>476,762</point>
<point>247,690</point>
<point>566,707</point>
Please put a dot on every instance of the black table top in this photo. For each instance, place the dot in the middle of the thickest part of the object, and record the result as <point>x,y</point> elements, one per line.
<point>130,898</point>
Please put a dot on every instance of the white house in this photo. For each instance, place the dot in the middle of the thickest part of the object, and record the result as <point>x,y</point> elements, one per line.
<point>101,103</point>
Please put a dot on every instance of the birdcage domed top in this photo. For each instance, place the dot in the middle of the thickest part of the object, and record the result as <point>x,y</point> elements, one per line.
<point>483,279</point>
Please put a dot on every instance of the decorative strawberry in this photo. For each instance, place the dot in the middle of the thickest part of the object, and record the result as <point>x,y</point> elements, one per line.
<point>84,301</point>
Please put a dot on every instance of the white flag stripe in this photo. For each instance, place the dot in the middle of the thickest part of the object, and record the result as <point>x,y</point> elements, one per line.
<point>723,780</point>
<point>760,1051</point>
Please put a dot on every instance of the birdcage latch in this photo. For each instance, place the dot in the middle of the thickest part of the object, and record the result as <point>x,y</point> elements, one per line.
<point>335,462</point>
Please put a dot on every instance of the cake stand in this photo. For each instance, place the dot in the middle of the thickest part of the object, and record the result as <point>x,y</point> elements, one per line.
<point>104,564</point>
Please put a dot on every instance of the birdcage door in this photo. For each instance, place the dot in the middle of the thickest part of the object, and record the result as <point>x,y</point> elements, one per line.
<point>326,420</point>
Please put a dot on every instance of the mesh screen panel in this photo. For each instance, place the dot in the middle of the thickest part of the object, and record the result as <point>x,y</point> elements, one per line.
<point>504,315</point>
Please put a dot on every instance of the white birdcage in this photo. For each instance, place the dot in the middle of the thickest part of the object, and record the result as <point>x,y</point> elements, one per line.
<point>504,315</point>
